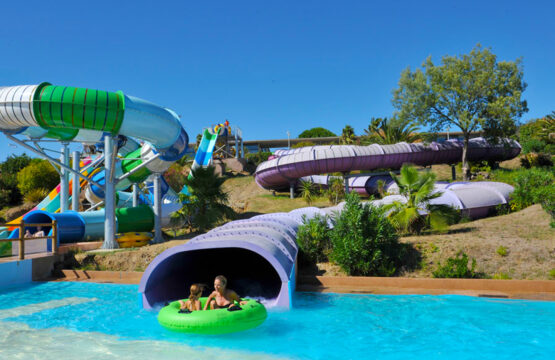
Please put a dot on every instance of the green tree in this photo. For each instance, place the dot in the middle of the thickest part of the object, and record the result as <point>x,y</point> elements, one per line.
<point>418,188</point>
<point>386,131</point>
<point>348,136</point>
<point>39,174</point>
<point>9,192</point>
<point>472,92</point>
<point>207,203</point>
<point>316,132</point>
<point>364,241</point>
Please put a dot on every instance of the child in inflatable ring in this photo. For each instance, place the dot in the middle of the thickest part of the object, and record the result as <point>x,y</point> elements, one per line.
<point>193,303</point>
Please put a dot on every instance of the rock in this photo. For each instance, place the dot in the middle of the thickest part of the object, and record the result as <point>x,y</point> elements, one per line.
<point>235,165</point>
<point>219,167</point>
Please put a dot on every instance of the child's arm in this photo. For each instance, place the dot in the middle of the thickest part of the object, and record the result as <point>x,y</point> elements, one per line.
<point>208,300</point>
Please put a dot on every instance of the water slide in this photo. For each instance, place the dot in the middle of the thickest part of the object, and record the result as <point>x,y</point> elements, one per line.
<point>258,254</point>
<point>86,115</point>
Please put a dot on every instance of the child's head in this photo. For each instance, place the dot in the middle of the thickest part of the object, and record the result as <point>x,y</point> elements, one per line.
<point>196,291</point>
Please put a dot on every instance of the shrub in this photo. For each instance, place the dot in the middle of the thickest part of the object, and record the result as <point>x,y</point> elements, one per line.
<point>547,196</point>
<point>532,145</point>
<point>257,158</point>
<point>533,159</point>
<point>501,250</point>
<point>302,144</point>
<point>36,195</point>
<point>336,190</point>
<point>552,274</point>
<point>313,238</point>
<point>309,191</point>
<point>530,186</point>
<point>364,241</point>
<point>501,276</point>
<point>39,174</point>
<point>457,267</point>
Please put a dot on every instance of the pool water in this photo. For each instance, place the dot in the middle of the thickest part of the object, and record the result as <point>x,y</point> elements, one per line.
<point>67,320</point>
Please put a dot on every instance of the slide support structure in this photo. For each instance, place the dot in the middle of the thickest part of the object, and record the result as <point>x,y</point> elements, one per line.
<point>50,159</point>
<point>109,197</point>
<point>135,195</point>
<point>76,181</point>
<point>64,179</point>
<point>157,210</point>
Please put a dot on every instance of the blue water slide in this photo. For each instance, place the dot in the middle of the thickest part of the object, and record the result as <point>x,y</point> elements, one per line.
<point>71,226</point>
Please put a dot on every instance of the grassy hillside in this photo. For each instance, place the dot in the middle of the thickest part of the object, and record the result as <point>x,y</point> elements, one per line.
<point>528,240</point>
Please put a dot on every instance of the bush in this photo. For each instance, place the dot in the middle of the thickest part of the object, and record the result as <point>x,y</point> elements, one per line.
<point>39,174</point>
<point>530,187</point>
<point>364,241</point>
<point>532,145</point>
<point>302,144</point>
<point>501,276</point>
<point>547,196</point>
<point>457,267</point>
<point>257,158</point>
<point>533,159</point>
<point>552,274</point>
<point>36,195</point>
<point>313,238</point>
<point>336,190</point>
<point>501,251</point>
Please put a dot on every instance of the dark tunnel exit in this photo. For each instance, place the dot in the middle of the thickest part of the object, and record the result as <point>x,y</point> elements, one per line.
<point>248,274</point>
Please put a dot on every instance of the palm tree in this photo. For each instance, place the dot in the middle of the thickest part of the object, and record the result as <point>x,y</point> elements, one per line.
<point>417,213</point>
<point>386,131</point>
<point>308,191</point>
<point>348,135</point>
<point>207,203</point>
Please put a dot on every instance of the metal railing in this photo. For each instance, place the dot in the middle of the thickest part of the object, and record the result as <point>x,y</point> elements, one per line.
<point>22,226</point>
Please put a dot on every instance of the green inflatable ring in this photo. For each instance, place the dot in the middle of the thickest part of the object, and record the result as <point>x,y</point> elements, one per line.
<point>219,321</point>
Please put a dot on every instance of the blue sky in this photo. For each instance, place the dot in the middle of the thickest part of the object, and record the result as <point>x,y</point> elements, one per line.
<point>267,66</point>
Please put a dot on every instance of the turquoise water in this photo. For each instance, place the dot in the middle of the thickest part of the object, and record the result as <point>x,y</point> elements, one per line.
<point>104,321</point>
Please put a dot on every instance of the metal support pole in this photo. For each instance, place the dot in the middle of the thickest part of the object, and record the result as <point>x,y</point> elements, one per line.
<point>291,190</point>
<point>236,144</point>
<point>135,195</point>
<point>346,180</point>
<point>64,179</point>
<point>109,197</point>
<point>76,182</point>
<point>242,147</point>
<point>157,210</point>
<point>50,159</point>
<point>453,173</point>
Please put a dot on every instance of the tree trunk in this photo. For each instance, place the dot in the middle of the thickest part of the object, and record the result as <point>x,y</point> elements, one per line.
<point>465,166</point>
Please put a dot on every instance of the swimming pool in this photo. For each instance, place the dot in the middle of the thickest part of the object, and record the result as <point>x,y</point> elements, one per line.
<point>67,320</point>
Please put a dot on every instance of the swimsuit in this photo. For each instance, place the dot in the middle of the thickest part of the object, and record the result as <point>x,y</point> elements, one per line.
<point>216,306</point>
